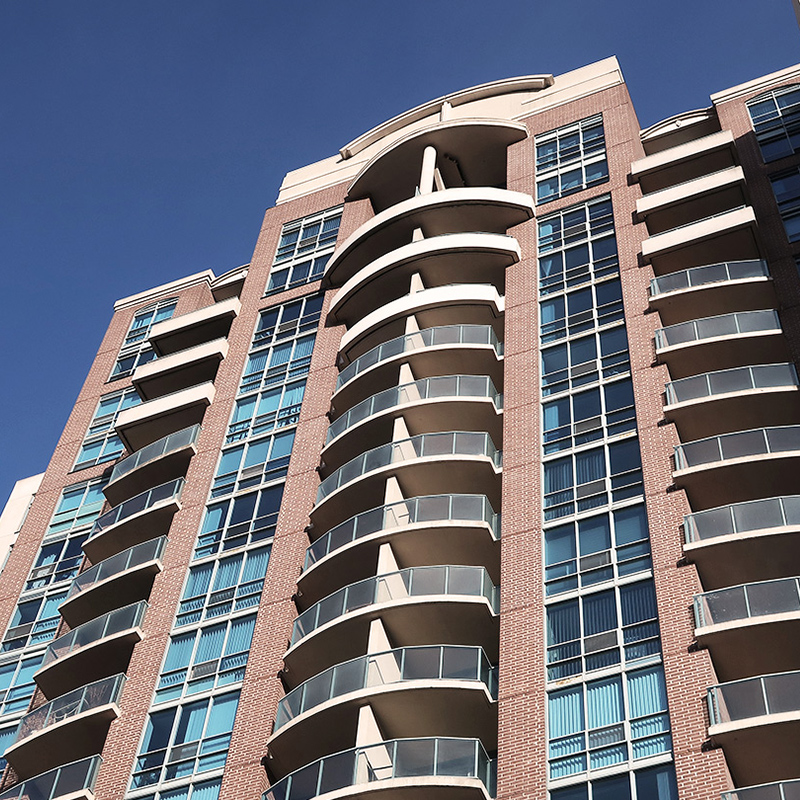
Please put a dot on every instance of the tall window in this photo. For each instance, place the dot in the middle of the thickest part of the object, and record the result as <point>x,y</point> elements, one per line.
<point>786,186</point>
<point>304,249</point>
<point>101,442</point>
<point>35,622</point>
<point>135,350</point>
<point>776,121</point>
<point>17,685</point>
<point>570,159</point>
<point>79,506</point>
<point>652,783</point>
<point>58,560</point>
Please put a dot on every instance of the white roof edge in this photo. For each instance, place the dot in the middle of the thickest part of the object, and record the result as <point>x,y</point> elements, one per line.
<point>697,113</point>
<point>764,82</point>
<point>207,276</point>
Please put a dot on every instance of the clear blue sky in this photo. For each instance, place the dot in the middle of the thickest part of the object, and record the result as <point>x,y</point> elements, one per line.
<point>141,141</point>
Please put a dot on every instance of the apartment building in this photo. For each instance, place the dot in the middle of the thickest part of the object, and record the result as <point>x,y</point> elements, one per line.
<point>479,481</point>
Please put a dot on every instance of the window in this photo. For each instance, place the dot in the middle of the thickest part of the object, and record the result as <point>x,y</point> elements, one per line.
<point>596,549</point>
<point>219,587</point>
<point>601,629</point>
<point>35,622</point>
<point>17,685</point>
<point>185,740</point>
<point>776,121</point>
<point>205,790</point>
<point>786,186</point>
<point>287,321</point>
<point>608,721</point>
<point>577,245</point>
<point>654,783</point>
<point>304,249</point>
<point>7,736</point>
<point>254,463</point>
<point>58,560</point>
<point>581,310</point>
<point>570,159</point>
<point>101,443</point>
<point>266,411</point>
<point>205,659</point>
<point>79,506</point>
<point>135,350</point>
<point>284,361</point>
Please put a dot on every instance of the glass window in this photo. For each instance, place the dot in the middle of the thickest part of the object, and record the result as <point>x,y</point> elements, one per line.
<point>135,350</point>
<point>101,442</point>
<point>16,683</point>
<point>253,463</point>
<point>205,790</point>
<point>776,121</point>
<point>786,186</point>
<point>80,505</point>
<point>59,560</point>
<point>268,410</point>
<point>288,321</point>
<point>654,783</point>
<point>7,736</point>
<point>35,622</point>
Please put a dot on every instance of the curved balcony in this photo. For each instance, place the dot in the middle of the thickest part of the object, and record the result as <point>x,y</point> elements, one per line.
<point>68,728</point>
<point>467,349</point>
<point>476,154</point>
<point>448,211</point>
<point>418,606</point>
<point>157,463</point>
<point>712,289</point>
<point>427,405</point>
<point>195,328</point>
<point>423,531</point>
<point>782,790</point>
<point>440,261</point>
<point>440,463</point>
<point>437,767</point>
<point>756,721</point>
<point>136,520</point>
<point>746,465</point>
<point>91,651</point>
<point>118,581</point>
<point>73,781</point>
<point>750,629</point>
<point>733,400</point>
<point>745,542</point>
<point>729,340</point>
<point>438,690</point>
<point>459,304</point>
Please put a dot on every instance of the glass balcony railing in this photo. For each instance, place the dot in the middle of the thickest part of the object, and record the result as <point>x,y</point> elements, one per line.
<point>438,662</point>
<point>756,515</point>
<point>93,695</point>
<point>142,502</point>
<point>742,444</point>
<point>429,337</point>
<point>116,565</point>
<point>740,379</point>
<point>748,601</point>
<point>782,790</point>
<point>696,330</point>
<point>60,782</point>
<point>398,758</point>
<point>403,584</point>
<point>426,445</point>
<point>754,697</point>
<point>121,619</point>
<point>169,444</point>
<point>703,276</point>
<point>441,386</point>
<point>432,509</point>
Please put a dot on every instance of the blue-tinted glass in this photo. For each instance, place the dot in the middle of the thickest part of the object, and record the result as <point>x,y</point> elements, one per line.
<point>630,525</point>
<point>559,544</point>
<point>599,613</point>
<point>616,788</point>
<point>656,783</point>
<point>594,535</point>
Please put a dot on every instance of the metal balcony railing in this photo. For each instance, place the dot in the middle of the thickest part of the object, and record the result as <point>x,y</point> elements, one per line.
<point>782,790</point>
<point>403,584</point>
<point>742,322</point>
<point>754,697</point>
<point>748,601</point>
<point>427,509</point>
<point>712,273</point>
<point>142,502</point>
<point>168,444</point>
<point>739,379</point>
<point>755,515</point>
<point>741,444</point>
<point>60,782</point>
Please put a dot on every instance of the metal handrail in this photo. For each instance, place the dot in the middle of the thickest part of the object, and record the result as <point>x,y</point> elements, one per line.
<point>782,790</point>
<point>708,274</point>
<point>740,444</point>
<point>754,697</point>
<point>142,502</point>
<point>753,515</point>
<point>59,782</point>
<point>738,379</point>
<point>747,601</point>
<point>696,330</point>
<point>167,444</point>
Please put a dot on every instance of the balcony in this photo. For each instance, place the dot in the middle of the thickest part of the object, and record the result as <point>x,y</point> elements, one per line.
<point>141,425</point>
<point>91,651</point>
<point>135,521</point>
<point>476,153</point>
<point>194,328</point>
<point>696,199</point>
<point>715,343</point>
<point>782,790</point>
<point>427,405</point>
<point>180,370</point>
<point>460,304</point>
<point>449,211</point>
<point>418,606</point>
<point>685,162</point>
<point>750,629</point>
<point>733,400</point>
<point>405,768</point>
<point>440,261</point>
<point>757,723</point>
<point>423,531</point>
<point>73,781</point>
<point>157,463</point>
<point>68,728</point>
<point>466,349</point>
<point>734,467</point>
<point>118,581</point>
<point>713,289</point>
<point>745,542</point>
<point>727,236</point>
<point>438,690</point>
<point>433,463</point>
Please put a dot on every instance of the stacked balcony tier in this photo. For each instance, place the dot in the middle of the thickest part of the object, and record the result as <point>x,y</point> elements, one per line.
<point>74,781</point>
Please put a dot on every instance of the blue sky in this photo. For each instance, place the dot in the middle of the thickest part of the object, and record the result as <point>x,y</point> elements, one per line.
<point>141,141</point>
